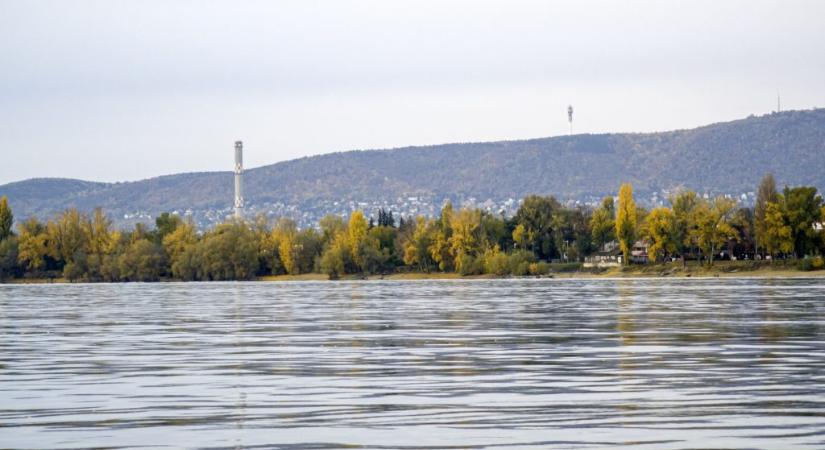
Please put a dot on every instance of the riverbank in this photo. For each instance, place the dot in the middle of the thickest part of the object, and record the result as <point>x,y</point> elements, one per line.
<point>720,269</point>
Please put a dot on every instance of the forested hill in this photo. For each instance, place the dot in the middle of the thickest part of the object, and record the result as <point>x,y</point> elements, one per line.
<point>720,158</point>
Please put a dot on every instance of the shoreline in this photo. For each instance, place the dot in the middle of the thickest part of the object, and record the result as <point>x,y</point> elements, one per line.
<point>724,269</point>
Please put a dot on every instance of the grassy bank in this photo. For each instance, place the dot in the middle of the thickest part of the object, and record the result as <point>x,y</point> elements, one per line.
<point>726,269</point>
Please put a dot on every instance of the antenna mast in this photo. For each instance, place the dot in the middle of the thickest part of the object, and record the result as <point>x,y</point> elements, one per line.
<point>570,117</point>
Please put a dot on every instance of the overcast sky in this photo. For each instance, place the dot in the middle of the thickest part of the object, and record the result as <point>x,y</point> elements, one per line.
<point>117,90</point>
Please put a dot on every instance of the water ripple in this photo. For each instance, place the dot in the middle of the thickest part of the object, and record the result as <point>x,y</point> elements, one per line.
<point>656,364</point>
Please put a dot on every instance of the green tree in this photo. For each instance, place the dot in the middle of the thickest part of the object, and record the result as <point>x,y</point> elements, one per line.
<point>143,260</point>
<point>165,224</point>
<point>802,210</point>
<point>6,218</point>
<point>766,193</point>
<point>8,257</point>
<point>536,215</point>
<point>228,252</point>
<point>335,257</point>
<point>602,223</point>
<point>682,205</point>
<point>626,221</point>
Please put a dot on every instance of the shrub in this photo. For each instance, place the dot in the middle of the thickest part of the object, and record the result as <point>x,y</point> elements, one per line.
<point>808,264</point>
<point>496,262</point>
<point>539,268</point>
<point>518,263</point>
<point>471,265</point>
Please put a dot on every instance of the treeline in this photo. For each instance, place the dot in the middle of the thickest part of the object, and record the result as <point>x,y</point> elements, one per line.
<point>78,246</point>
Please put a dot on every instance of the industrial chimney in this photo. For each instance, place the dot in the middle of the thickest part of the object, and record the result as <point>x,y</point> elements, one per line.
<point>238,179</point>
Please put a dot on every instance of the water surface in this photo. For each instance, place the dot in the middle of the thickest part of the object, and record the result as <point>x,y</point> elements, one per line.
<point>508,364</point>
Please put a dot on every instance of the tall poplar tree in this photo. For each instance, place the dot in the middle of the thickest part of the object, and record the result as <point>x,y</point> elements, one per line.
<point>626,221</point>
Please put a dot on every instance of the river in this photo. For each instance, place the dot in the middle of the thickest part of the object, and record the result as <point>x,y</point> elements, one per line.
<point>500,364</point>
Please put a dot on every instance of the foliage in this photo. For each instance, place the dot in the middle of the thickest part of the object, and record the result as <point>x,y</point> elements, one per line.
<point>602,223</point>
<point>660,233</point>
<point>87,247</point>
<point>6,218</point>
<point>712,226</point>
<point>626,221</point>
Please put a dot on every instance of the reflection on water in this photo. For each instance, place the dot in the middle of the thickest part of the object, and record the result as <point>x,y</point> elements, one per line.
<point>431,364</point>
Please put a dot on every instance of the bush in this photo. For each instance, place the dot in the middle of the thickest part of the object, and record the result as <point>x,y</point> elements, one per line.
<point>808,264</point>
<point>470,265</point>
<point>539,268</point>
<point>496,263</point>
<point>518,263</point>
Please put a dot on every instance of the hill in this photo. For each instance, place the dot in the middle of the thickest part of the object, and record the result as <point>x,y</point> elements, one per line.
<point>725,157</point>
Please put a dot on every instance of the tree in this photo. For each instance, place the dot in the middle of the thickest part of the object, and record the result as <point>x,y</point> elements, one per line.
<point>165,224</point>
<point>228,252</point>
<point>356,234</point>
<point>602,223</point>
<point>142,261</point>
<point>521,236</point>
<point>660,233</point>
<point>67,240</point>
<point>766,193</point>
<point>416,249</point>
<point>536,215</point>
<point>464,240</point>
<point>777,237</point>
<point>334,259</point>
<point>6,218</point>
<point>440,248</point>
<point>284,234</point>
<point>626,221</point>
<point>8,257</point>
<point>32,249</point>
<point>802,210</point>
<point>712,226</point>
<point>179,247</point>
<point>682,205</point>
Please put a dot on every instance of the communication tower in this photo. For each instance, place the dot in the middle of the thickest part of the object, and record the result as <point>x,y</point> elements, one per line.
<point>570,117</point>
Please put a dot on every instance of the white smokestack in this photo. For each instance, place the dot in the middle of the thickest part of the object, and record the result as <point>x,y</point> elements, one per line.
<point>238,179</point>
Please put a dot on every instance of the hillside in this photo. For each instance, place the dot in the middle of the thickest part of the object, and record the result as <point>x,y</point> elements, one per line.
<point>720,158</point>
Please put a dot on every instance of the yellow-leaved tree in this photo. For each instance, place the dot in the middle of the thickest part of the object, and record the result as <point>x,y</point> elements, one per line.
<point>626,221</point>
<point>660,233</point>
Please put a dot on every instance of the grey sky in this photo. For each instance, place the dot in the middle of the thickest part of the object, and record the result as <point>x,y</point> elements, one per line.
<point>116,90</point>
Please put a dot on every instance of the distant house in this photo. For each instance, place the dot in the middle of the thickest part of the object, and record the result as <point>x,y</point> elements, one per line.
<point>608,256</point>
<point>638,254</point>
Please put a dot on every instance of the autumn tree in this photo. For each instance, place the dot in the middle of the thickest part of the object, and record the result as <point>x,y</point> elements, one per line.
<point>778,236</point>
<point>32,248</point>
<point>440,248</point>
<point>660,233</point>
<point>712,226</point>
<point>626,221</point>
